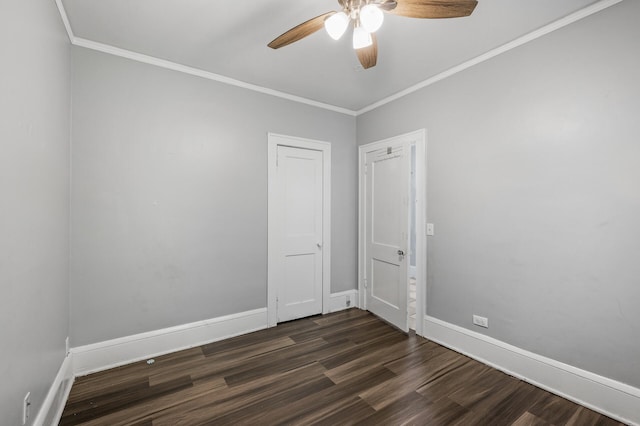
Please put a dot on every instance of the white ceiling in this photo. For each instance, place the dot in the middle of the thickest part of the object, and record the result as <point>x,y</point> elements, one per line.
<point>230,38</point>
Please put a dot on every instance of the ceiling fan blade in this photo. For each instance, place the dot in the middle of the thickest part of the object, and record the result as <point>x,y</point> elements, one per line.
<point>388,5</point>
<point>434,9</point>
<point>301,31</point>
<point>368,56</point>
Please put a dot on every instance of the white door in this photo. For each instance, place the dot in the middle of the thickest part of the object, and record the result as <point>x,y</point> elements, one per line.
<point>299,227</point>
<point>386,231</point>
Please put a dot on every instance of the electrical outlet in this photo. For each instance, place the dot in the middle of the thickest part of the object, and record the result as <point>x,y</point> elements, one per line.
<point>481,321</point>
<point>66,345</point>
<point>26,408</point>
<point>348,301</point>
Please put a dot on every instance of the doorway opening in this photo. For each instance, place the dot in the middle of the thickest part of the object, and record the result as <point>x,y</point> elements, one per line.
<point>392,238</point>
<point>412,242</point>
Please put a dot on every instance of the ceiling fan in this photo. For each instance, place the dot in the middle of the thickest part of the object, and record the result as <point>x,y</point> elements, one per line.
<point>367,16</point>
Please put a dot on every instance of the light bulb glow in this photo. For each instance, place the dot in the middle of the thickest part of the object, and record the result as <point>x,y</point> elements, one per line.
<point>371,18</point>
<point>361,38</point>
<point>336,25</point>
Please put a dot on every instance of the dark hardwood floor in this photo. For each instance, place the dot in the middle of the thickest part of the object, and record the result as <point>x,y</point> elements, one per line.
<point>343,368</point>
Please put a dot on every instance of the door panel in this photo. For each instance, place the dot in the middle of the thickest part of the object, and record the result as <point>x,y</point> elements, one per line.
<point>381,274</point>
<point>386,232</point>
<point>300,192</point>
<point>386,198</point>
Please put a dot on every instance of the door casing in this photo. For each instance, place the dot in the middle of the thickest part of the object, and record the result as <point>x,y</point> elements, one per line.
<point>417,138</point>
<point>275,140</point>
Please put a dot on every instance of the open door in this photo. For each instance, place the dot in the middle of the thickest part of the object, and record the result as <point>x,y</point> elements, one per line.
<point>387,172</point>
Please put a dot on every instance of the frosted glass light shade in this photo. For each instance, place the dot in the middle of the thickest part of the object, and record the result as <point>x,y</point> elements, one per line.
<point>371,18</point>
<point>361,38</point>
<point>336,25</point>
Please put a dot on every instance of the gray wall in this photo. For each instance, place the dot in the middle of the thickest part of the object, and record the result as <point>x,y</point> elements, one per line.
<point>34,202</point>
<point>533,173</point>
<point>169,196</point>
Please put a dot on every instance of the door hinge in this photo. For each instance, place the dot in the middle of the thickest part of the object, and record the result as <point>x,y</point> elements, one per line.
<point>366,168</point>
<point>365,283</point>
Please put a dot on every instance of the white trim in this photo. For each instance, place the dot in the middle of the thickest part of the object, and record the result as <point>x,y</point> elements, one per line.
<point>57,396</point>
<point>272,247</point>
<point>338,301</point>
<point>274,140</point>
<point>65,21</point>
<point>125,350</point>
<point>362,300</point>
<point>162,63</point>
<point>563,22</point>
<point>609,397</point>
<point>419,138</point>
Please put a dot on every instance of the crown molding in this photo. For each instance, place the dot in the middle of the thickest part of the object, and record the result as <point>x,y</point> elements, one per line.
<point>560,23</point>
<point>162,63</point>
<point>65,20</point>
<point>105,48</point>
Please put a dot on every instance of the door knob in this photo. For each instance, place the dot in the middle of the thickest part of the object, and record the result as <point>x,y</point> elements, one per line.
<point>400,253</point>
<point>319,245</point>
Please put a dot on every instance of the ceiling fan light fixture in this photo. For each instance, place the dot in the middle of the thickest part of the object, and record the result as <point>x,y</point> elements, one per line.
<point>361,38</point>
<point>371,17</point>
<point>366,17</point>
<point>336,25</point>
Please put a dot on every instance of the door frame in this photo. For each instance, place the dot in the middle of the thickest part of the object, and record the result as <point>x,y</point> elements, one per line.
<point>275,140</point>
<point>419,139</point>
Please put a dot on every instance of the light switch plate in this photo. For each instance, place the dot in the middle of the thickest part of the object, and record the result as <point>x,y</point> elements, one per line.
<point>430,229</point>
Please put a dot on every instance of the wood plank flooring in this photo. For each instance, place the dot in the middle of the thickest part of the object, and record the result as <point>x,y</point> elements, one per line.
<point>343,368</point>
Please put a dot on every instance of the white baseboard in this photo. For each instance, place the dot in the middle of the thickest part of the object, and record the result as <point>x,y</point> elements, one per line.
<point>125,350</point>
<point>343,300</point>
<point>51,410</point>
<point>609,397</point>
